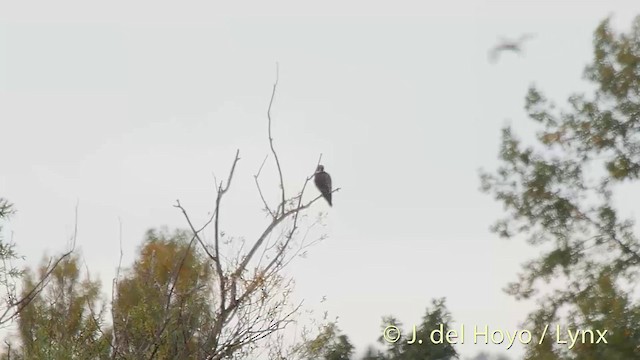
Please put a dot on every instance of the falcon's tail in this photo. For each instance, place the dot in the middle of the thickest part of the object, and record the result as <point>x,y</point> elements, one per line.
<point>328,198</point>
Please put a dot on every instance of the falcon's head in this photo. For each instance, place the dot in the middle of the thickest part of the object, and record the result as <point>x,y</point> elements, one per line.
<point>320,168</point>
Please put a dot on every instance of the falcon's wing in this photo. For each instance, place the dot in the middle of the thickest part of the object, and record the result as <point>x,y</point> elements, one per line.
<point>328,181</point>
<point>323,182</point>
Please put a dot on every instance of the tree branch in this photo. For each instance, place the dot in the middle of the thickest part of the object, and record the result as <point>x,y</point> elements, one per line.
<point>255,177</point>
<point>273,151</point>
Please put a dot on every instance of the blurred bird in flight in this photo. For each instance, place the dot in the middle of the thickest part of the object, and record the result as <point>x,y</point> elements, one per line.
<point>508,45</point>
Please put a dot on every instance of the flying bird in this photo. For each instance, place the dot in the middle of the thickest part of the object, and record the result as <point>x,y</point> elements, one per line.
<point>323,183</point>
<point>508,45</point>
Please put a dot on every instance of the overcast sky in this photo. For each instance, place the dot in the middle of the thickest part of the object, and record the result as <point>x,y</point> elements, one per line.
<point>127,107</point>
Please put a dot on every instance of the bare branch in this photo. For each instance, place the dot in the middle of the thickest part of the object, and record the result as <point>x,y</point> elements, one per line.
<point>221,192</point>
<point>266,232</point>
<point>94,318</point>
<point>255,177</point>
<point>216,258</point>
<point>275,155</point>
<point>114,288</point>
<point>197,232</point>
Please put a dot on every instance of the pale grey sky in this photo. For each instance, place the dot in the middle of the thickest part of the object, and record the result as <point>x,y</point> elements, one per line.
<point>129,106</point>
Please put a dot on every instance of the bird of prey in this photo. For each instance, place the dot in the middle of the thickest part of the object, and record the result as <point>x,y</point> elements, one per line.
<point>508,45</point>
<point>323,183</point>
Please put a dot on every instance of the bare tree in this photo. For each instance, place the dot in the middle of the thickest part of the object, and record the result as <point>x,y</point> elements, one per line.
<point>249,292</point>
<point>252,291</point>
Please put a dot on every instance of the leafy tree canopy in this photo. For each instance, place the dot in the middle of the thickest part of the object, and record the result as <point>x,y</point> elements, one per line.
<point>560,193</point>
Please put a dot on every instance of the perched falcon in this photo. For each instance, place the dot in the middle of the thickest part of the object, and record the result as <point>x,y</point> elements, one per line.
<point>323,183</point>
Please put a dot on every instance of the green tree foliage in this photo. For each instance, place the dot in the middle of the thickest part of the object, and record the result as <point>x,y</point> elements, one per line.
<point>65,320</point>
<point>161,309</point>
<point>12,302</point>
<point>8,272</point>
<point>160,306</point>
<point>560,194</point>
<point>607,307</point>
<point>372,354</point>
<point>329,344</point>
<point>435,316</point>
